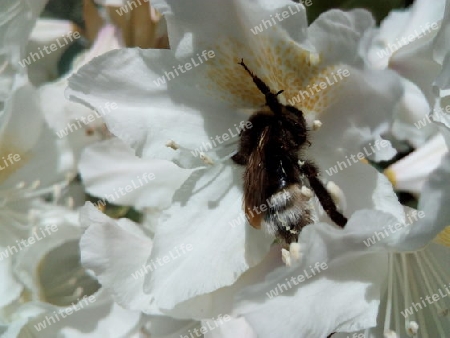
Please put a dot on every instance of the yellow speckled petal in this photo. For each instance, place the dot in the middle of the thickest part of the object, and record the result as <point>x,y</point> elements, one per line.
<point>281,63</point>
<point>444,237</point>
<point>10,161</point>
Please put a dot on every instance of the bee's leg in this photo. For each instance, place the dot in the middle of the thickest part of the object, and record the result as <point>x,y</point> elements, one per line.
<point>325,199</point>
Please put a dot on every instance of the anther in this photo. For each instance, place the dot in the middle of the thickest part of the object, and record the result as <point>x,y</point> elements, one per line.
<point>206,158</point>
<point>412,328</point>
<point>172,144</point>
<point>317,124</point>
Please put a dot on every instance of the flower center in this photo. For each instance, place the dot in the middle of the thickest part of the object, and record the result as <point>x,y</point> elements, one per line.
<point>282,64</point>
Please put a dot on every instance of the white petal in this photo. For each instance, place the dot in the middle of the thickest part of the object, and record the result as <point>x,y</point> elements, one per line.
<point>433,203</point>
<point>17,19</point>
<point>167,327</point>
<point>411,172</point>
<point>148,114</point>
<point>324,298</point>
<point>115,251</point>
<point>443,80</point>
<point>106,320</point>
<point>336,34</point>
<point>111,170</point>
<point>415,63</point>
<point>235,327</point>
<point>110,2</point>
<point>323,243</point>
<point>218,236</point>
<point>47,237</point>
<point>216,16</point>
<point>25,133</point>
<point>45,33</point>
<point>349,124</point>
<point>10,289</point>
<point>441,46</point>
<point>363,186</point>
<point>411,121</point>
<point>58,110</point>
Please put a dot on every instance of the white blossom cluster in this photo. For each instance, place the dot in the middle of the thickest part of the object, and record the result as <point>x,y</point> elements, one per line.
<point>146,121</point>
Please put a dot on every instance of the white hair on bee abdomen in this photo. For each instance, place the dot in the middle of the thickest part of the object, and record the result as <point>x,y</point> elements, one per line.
<point>289,210</point>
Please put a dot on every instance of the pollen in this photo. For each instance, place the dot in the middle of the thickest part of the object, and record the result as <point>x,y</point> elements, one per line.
<point>317,124</point>
<point>172,144</point>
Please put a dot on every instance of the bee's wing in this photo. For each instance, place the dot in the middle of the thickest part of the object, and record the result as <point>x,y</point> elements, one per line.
<point>256,181</point>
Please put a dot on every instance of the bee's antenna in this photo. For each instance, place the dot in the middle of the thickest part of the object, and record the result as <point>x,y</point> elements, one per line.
<point>258,82</point>
<point>271,99</point>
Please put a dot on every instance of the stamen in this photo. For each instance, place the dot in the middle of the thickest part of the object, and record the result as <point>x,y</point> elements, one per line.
<point>57,192</point>
<point>407,293</point>
<point>206,158</point>
<point>20,185</point>
<point>3,66</point>
<point>425,278</point>
<point>396,275</point>
<point>202,155</point>
<point>387,318</point>
<point>390,334</point>
<point>172,144</point>
<point>439,283</point>
<point>431,263</point>
<point>412,328</point>
<point>317,124</point>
